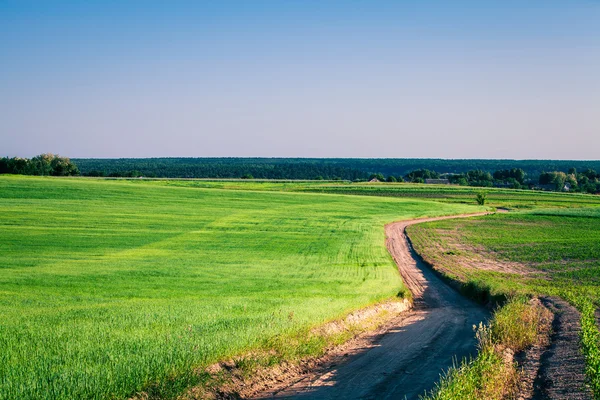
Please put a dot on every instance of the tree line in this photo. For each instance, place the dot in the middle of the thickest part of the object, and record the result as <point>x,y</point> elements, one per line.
<point>43,164</point>
<point>311,168</point>
<point>587,181</point>
<point>516,174</point>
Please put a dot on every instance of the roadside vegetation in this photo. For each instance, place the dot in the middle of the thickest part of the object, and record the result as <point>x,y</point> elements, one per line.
<point>112,288</point>
<point>520,323</point>
<point>540,252</point>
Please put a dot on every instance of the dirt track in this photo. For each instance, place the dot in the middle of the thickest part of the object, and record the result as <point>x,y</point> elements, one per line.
<point>408,359</point>
<point>562,371</point>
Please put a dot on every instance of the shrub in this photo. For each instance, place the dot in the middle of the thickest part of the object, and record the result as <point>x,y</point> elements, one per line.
<point>481,198</point>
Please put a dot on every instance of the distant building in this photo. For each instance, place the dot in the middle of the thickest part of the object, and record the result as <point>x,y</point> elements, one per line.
<point>437,181</point>
<point>374,180</point>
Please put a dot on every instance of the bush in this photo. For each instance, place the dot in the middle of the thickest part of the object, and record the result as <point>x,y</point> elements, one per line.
<point>481,198</point>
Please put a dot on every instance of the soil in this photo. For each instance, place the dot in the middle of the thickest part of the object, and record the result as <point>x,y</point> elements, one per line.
<point>529,361</point>
<point>406,358</point>
<point>562,371</point>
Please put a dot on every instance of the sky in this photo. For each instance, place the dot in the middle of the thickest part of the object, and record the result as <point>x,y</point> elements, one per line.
<point>304,78</point>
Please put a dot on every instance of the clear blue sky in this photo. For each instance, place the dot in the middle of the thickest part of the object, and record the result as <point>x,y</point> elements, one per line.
<point>451,79</point>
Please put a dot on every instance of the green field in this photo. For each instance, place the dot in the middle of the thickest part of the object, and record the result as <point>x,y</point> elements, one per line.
<point>560,247</point>
<point>496,197</point>
<point>108,287</point>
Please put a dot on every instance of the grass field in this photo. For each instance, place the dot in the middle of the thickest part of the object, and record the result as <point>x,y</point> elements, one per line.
<point>496,197</point>
<point>108,287</point>
<point>560,247</point>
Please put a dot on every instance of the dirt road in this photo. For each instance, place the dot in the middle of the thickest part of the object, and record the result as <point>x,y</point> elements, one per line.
<point>408,359</point>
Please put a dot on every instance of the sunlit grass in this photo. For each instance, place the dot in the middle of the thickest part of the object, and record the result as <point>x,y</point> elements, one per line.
<point>107,287</point>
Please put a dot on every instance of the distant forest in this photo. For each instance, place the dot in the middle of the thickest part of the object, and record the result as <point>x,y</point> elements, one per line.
<point>580,176</point>
<point>311,168</point>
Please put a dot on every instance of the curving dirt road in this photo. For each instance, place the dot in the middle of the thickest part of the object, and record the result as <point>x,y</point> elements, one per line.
<point>408,358</point>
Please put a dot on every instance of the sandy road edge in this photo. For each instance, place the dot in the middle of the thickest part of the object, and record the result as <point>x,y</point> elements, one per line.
<point>399,246</point>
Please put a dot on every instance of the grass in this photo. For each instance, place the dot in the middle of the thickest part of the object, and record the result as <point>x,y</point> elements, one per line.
<point>495,197</point>
<point>474,380</point>
<point>560,247</point>
<point>109,288</point>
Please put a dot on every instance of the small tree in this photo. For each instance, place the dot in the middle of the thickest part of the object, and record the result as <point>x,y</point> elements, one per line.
<point>559,180</point>
<point>391,178</point>
<point>62,166</point>
<point>481,198</point>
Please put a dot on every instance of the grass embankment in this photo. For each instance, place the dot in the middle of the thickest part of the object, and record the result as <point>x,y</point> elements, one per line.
<point>109,288</point>
<point>559,249</point>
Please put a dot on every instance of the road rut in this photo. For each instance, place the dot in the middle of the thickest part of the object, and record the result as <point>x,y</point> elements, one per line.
<point>407,360</point>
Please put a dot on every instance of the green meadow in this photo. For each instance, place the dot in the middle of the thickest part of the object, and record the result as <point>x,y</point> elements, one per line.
<point>496,197</point>
<point>561,248</point>
<point>110,287</point>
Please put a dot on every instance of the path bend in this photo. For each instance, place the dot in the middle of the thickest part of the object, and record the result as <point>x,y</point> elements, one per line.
<point>406,360</point>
